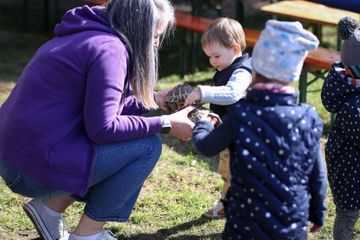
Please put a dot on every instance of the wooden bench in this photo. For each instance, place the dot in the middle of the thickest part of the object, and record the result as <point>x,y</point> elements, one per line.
<point>96,2</point>
<point>318,61</point>
<point>200,24</point>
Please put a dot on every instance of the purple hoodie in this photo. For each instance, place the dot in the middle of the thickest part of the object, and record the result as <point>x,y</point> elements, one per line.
<point>69,98</point>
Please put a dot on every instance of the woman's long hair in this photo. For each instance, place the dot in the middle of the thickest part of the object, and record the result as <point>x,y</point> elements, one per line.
<point>135,21</point>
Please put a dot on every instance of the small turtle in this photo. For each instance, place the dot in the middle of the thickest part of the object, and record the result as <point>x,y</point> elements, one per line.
<point>175,98</point>
<point>201,112</point>
<point>174,101</point>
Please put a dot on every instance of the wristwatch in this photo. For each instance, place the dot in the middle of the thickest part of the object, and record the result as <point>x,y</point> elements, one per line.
<point>166,125</point>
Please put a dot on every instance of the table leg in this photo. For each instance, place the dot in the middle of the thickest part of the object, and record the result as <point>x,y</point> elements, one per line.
<point>303,85</point>
<point>183,62</point>
<point>46,15</point>
<point>317,30</point>
<point>218,8</point>
<point>239,11</point>
<point>57,11</point>
<point>25,10</point>
<point>338,43</point>
<point>193,53</point>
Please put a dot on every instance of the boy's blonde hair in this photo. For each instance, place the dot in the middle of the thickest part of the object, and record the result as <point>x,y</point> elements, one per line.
<point>226,32</point>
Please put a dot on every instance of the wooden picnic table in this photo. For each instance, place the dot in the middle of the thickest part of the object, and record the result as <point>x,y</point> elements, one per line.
<point>310,12</point>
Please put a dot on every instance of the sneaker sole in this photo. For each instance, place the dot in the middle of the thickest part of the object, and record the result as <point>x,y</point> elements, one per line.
<point>37,222</point>
<point>213,216</point>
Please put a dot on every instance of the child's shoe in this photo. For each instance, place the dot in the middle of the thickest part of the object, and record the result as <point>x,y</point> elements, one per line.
<point>217,210</point>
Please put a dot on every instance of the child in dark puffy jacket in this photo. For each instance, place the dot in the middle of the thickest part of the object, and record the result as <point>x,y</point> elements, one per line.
<point>278,176</point>
<point>341,96</point>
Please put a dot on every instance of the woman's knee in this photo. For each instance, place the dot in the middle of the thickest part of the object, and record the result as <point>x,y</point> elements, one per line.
<point>155,145</point>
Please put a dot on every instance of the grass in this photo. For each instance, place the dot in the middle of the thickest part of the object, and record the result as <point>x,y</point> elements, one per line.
<point>183,184</point>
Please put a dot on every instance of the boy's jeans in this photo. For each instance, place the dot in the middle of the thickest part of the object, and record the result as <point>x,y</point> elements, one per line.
<point>344,223</point>
<point>119,173</point>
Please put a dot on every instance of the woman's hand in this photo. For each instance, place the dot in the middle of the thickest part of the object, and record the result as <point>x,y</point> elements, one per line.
<point>160,97</point>
<point>181,125</point>
<point>193,97</point>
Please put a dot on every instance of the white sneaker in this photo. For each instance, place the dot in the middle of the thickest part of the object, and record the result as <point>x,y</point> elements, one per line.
<point>48,227</point>
<point>217,210</point>
<point>105,235</point>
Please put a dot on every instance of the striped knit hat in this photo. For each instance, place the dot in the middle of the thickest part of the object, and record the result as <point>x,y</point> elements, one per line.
<point>349,31</point>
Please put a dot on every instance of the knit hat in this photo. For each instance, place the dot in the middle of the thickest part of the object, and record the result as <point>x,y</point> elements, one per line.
<point>281,49</point>
<point>349,31</point>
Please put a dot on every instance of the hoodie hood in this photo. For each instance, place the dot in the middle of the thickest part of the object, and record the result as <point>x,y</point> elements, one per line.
<point>82,19</point>
<point>337,88</point>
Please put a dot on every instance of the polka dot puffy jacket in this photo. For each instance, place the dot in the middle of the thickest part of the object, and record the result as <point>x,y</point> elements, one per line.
<point>278,178</point>
<point>340,95</point>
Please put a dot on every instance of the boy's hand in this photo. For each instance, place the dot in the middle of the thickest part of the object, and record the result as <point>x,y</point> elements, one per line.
<point>315,228</point>
<point>193,97</point>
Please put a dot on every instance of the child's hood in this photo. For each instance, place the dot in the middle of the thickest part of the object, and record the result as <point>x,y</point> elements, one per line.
<point>337,88</point>
<point>82,19</point>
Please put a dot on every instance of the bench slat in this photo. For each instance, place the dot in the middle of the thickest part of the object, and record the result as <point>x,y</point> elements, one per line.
<point>322,58</point>
<point>200,24</point>
<point>96,2</point>
<point>251,36</point>
<point>192,23</point>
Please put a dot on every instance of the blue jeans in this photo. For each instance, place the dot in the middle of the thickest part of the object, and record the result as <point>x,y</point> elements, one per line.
<point>344,223</point>
<point>119,174</point>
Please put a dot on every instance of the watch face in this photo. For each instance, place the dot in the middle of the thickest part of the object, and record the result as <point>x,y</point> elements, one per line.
<point>166,125</point>
<point>165,130</point>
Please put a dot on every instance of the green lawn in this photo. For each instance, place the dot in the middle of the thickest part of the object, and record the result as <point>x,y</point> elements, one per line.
<point>182,186</point>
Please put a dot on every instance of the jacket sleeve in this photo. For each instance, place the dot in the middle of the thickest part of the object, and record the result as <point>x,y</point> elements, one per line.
<point>233,91</point>
<point>318,191</point>
<point>209,141</point>
<point>327,98</point>
<point>335,90</point>
<point>109,114</point>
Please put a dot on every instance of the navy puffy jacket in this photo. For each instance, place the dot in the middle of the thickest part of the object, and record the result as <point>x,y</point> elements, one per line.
<point>278,175</point>
<point>342,150</point>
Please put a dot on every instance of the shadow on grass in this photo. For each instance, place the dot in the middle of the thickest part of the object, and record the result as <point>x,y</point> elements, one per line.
<point>167,233</point>
<point>186,148</point>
